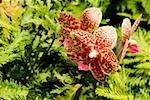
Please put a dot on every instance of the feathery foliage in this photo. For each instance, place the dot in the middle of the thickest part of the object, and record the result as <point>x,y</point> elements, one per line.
<point>10,90</point>
<point>34,65</point>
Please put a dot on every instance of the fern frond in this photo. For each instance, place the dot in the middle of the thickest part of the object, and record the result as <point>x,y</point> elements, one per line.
<point>70,91</point>
<point>143,39</point>
<point>127,61</point>
<point>10,89</point>
<point>106,92</point>
<point>20,41</point>
<point>138,81</point>
<point>143,94</point>
<point>65,78</point>
<point>139,75</point>
<point>117,87</point>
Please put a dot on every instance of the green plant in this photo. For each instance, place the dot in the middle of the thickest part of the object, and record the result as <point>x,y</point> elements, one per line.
<point>34,64</point>
<point>11,90</point>
<point>132,9</point>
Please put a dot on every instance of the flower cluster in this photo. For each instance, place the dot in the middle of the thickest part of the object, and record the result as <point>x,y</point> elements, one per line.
<point>87,44</point>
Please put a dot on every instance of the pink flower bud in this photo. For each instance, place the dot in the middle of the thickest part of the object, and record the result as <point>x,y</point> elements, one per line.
<point>133,46</point>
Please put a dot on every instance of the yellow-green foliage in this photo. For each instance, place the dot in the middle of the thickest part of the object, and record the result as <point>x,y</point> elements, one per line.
<point>12,90</point>
<point>34,65</point>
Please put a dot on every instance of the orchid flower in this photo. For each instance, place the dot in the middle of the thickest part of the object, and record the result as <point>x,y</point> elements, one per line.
<point>90,51</point>
<point>126,39</point>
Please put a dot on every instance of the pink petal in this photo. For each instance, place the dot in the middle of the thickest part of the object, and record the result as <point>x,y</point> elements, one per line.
<point>82,66</point>
<point>133,48</point>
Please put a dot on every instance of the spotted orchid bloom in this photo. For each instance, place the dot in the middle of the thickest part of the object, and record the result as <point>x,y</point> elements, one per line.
<point>126,38</point>
<point>90,51</point>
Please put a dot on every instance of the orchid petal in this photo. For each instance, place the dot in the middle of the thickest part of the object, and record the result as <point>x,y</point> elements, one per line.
<point>107,60</point>
<point>123,43</point>
<point>68,21</point>
<point>73,52</point>
<point>90,19</point>
<point>126,29</point>
<point>64,34</point>
<point>133,48</point>
<point>76,52</point>
<point>106,36</point>
<point>83,37</point>
<point>96,71</point>
<point>136,23</point>
<point>82,44</point>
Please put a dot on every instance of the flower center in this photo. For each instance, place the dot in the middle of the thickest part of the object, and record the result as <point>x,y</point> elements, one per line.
<point>93,53</point>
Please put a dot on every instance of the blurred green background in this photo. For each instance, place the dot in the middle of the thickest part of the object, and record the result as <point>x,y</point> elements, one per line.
<point>34,65</point>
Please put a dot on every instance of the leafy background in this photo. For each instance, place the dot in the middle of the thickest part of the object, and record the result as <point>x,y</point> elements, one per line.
<point>34,66</point>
